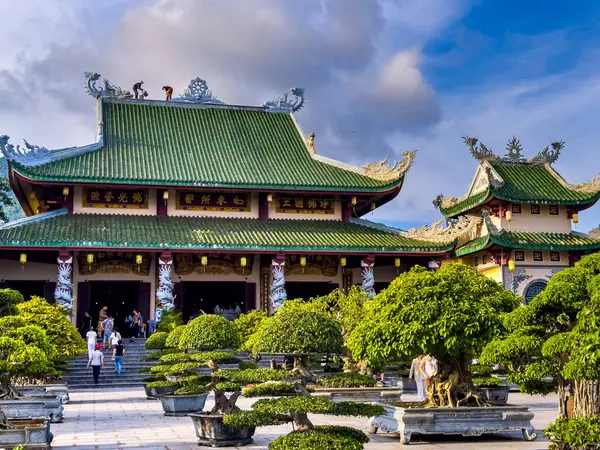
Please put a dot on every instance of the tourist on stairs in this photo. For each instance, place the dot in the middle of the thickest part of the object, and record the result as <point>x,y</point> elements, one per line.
<point>91,341</point>
<point>96,361</point>
<point>118,354</point>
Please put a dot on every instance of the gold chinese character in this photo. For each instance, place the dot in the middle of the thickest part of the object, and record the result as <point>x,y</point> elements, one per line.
<point>312,203</point>
<point>324,204</point>
<point>221,200</point>
<point>286,203</point>
<point>108,196</point>
<point>95,196</point>
<point>137,197</point>
<point>238,201</point>
<point>123,197</point>
<point>299,203</point>
<point>206,199</point>
<point>189,198</point>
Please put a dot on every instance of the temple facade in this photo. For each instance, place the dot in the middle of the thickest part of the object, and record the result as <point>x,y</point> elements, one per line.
<point>526,212</point>
<point>195,204</point>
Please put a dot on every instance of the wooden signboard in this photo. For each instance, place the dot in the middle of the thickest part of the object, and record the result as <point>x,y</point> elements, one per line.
<point>213,201</point>
<point>305,205</point>
<point>115,198</point>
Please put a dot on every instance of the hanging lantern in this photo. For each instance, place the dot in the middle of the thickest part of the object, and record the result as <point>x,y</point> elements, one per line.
<point>23,258</point>
<point>373,206</point>
<point>511,265</point>
<point>303,261</point>
<point>243,261</point>
<point>575,218</point>
<point>138,259</point>
<point>204,260</point>
<point>90,258</point>
<point>269,198</point>
<point>397,262</point>
<point>166,195</point>
<point>343,261</point>
<point>508,215</point>
<point>66,191</point>
<point>353,201</point>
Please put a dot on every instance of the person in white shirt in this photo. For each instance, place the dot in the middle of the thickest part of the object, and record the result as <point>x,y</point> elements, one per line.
<point>96,361</point>
<point>429,366</point>
<point>418,374</point>
<point>91,341</point>
<point>115,337</point>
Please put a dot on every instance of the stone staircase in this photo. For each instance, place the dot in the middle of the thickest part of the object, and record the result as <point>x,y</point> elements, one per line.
<point>78,376</point>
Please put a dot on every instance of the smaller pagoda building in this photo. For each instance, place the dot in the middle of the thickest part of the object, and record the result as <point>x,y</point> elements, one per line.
<point>527,210</point>
<point>202,206</point>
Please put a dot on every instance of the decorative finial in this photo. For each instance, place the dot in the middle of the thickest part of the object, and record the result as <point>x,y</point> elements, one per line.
<point>481,153</point>
<point>310,143</point>
<point>545,156</point>
<point>492,229</point>
<point>455,229</point>
<point>444,202</point>
<point>283,104</point>
<point>198,92</point>
<point>108,91</point>
<point>389,172</point>
<point>514,150</point>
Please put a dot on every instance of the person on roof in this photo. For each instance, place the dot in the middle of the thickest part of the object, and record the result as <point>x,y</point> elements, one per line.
<point>168,92</point>
<point>137,89</point>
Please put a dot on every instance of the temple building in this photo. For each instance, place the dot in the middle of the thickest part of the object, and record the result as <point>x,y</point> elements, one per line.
<point>199,205</point>
<point>526,211</point>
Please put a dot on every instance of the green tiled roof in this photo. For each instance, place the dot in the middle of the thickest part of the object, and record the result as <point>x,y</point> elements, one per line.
<point>473,246</point>
<point>524,183</point>
<point>151,143</point>
<point>545,241</point>
<point>210,234</point>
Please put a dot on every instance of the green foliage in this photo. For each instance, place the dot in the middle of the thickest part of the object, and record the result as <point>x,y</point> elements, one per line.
<point>157,354</point>
<point>157,341</point>
<point>227,386</point>
<point>163,368</point>
<point>194,379</point>
<point>217,357</point>
<point>59,330</point>
<point>574,434</point>
<point>247,324</point>
<point>191,389</point>
<point>173,358</point>
<point>174,337</point>
<point>356,409</point>
<point>6,200</point>
<point>153,377</point>
<point>169,321</point>
<point>298,332</point>
<point>245,365</point>
<point>322,437</point>
<point>269,390</point>
<point>9,299</point>
<point>287,405</point>
<point>450,314</point>
<point>184,368</point>
<point>255,419</point>
<point>347,380</point>
<point>487,382</point>
<point>250,376</point>
<point>162,384</point>
<point>209,332</point>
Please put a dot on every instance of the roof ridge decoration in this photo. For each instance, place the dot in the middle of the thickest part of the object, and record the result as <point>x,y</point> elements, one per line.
<point>455,229</point>
<point>284,103</point>
<point>198,92</point>
<point>383,171</point>
<point>492,229</point>
<point>108,91</point>
<point>591,187</point>
<point>514,152</point>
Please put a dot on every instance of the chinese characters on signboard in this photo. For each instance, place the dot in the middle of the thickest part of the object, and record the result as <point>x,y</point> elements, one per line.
<point>305,205</point>
<point>212,201</point>
<point>115,198</point>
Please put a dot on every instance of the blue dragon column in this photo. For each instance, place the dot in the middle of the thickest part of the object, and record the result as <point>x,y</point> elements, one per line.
<point>368,276</point>
<point>278,293</point>
<point>164,292</point>
<point>63,294</point>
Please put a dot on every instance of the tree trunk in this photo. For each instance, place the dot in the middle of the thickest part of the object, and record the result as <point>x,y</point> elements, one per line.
<point>452,386</point>
<point>586,401</point>
<point>301,421</point>
<point>224,405</point>
<point>7,390</point>
<point>562,398</point>
<point>302,367</point>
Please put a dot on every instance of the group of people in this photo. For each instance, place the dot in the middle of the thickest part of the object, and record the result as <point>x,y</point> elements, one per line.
<point>96,356</point>
<point>140,93</point>
<point>422,369</point>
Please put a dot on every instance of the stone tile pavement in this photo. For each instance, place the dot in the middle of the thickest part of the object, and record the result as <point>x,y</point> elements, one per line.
<point>124,419</point>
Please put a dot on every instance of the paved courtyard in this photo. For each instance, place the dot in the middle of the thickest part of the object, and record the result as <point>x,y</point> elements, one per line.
<point>115,419</point>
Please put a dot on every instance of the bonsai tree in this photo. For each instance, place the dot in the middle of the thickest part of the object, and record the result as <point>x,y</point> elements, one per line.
<point>450,314</point>
<point>302,334</point>
<point>157,341</point>
<point>9,299</point>
<point>247,324</point>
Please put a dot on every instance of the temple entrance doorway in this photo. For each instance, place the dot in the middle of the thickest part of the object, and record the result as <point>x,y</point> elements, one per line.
<point>230,297</point>
<point>307,290</point>
<point>28,288</point>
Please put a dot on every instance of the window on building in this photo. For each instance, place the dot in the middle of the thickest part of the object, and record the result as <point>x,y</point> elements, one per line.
<point>476,261</point>
<point>553,210</point>
<point>535,209</point>
<point>519,255</point>
<point>534,289</point>
<point>538,256</point>
<point>555,256</point>
<point>516,208</point>
<point>484,259</point>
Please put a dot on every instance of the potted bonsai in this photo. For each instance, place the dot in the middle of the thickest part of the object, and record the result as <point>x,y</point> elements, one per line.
<point>451,315</point>
<point>301,334</point>
<point>492,389</point>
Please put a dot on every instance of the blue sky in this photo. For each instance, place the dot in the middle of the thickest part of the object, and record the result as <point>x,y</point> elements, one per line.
<point>381,76</point>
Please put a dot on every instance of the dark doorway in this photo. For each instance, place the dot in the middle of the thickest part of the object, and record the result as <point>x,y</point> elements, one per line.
<point>306,290</point>
<point>121,297</point>
<point>206,295</point>
<point>27,287</point>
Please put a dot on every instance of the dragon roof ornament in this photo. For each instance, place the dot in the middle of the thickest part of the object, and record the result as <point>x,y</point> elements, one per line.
<point>514,152</point>
<point>591,187</point>
<point>198,92</point>
<point>106,91</point>
<point>492,229</point>
<point>455,229</point>
<point>284,104</point>
<point>444,202</point>
<point>383,171</point>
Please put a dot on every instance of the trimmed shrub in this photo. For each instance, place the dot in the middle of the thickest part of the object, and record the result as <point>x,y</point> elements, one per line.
<point>247,324</point>
<point>487,382</point>
<point>245,365</point>
<point>9,299</point>
<point>322,437</point>
<point>174,358</point>
<point>157,354</point>
<point>218,357</point>
<point>227,386</point>
<point>258,375</point>
<point>191,389</point>
<point>347,380</point>
<point>163,368</point>
<point>161,384</point>
<point>574,434</point>
<point>184,368</point>
<point>194,379</point>
<point>209,332</point>
<point>269,389</point>
<point>174,336</point>
<point>157,341</point>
